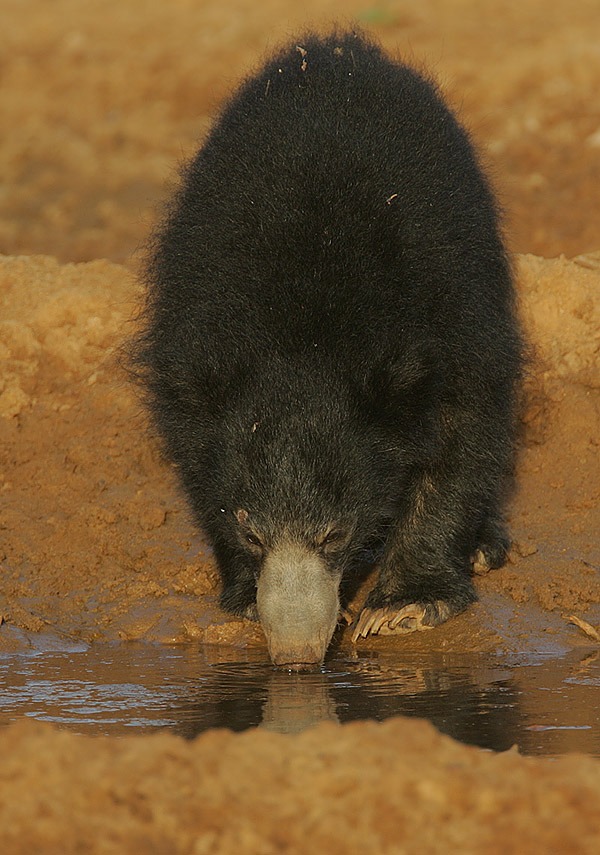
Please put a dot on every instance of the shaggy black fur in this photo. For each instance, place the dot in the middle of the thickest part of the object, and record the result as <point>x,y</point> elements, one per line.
<point>330,342</point>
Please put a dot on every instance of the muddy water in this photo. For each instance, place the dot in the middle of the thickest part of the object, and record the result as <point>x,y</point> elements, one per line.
<point>542,704</point>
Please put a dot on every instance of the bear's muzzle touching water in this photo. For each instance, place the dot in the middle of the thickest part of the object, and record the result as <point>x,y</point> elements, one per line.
<point>330,348</point>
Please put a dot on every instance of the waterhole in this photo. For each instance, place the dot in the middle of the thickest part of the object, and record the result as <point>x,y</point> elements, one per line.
<point>542,704</point>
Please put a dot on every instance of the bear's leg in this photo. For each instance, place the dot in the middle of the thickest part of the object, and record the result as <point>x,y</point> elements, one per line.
<point>238,593</point>
<point>425,573</point>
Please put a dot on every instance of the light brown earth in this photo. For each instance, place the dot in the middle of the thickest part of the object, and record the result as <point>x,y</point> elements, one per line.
<point>98,102</point>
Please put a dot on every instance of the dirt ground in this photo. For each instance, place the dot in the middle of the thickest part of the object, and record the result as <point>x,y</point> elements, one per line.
<point>102,100</point>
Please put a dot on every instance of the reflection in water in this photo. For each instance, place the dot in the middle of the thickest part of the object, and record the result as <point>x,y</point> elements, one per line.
<point>293,704</point>
<point>465,703</point>
<point>545,706</point>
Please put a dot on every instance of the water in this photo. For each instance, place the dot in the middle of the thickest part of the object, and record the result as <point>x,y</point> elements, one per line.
<point>544,705</point>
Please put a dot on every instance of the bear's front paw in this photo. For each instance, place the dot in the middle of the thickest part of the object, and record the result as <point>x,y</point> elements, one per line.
<point>388,620</point>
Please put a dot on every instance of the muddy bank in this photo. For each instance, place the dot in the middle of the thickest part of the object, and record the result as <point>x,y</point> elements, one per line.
<point>97,541</point>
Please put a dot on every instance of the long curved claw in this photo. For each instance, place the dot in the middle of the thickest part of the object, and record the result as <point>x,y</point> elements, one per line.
<point>479,563</point>
<point>370,621</point>
<point>399,621</point>
<point>409,619</point>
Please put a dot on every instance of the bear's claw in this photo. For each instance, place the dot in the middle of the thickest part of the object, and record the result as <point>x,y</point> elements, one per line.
<point>389,620</point>
<point>480,563</point>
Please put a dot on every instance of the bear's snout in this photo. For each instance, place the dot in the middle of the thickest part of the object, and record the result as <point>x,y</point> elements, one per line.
<point>298,605</point>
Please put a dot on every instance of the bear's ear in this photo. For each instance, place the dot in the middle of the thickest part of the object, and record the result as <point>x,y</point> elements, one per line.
<point>395,384</point>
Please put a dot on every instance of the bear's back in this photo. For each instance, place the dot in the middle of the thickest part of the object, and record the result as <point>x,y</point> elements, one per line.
<point>336,204</point>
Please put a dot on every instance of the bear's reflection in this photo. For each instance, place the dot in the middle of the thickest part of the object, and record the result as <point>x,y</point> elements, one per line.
<point>463,703</point>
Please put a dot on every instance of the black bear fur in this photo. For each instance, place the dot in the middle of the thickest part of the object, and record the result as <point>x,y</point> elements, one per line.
<point>330,338</point>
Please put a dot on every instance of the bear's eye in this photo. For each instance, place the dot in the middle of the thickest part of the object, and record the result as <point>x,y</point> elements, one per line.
<point>334,536</point>
<point>253,539</point>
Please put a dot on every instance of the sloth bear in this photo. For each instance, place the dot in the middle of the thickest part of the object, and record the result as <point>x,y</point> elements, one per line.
<point>330,348</point>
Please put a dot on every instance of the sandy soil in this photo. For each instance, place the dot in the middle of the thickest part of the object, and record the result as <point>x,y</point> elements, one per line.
<point>390,788</point>
<point>101,101</point>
